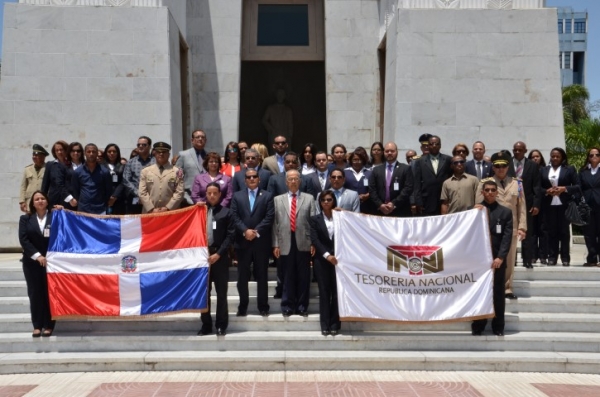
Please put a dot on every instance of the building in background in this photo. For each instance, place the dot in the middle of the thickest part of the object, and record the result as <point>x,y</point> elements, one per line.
<point>572,37</point>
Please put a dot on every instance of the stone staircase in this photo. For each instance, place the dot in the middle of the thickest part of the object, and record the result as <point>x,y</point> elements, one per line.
<point>552,327</point>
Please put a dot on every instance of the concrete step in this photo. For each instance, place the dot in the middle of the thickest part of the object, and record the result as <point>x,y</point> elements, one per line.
<point>301,341</point>
<point>11,273</point>
<point>190,322</point>
<point>559,273</point>
<point>556,288</point>
<point>547,304</point>
<point>14,304</point>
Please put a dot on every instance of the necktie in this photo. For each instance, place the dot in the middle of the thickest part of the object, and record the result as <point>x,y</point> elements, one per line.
<point>252,198</point>
<point>209,227</point>
<point>434,164</point>
<point>337,196</point>
<point>388,182</point>
<point>322,180</point>
<point>293,213</point>
<point>161,168</point>
<point>479,170</point>
<point>502,183</point>
<point>519,171</point>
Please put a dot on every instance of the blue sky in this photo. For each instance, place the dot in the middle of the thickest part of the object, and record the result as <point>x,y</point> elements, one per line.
<point>593,53</point>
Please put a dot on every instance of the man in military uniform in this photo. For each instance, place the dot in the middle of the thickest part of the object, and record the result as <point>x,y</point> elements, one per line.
<point>161,184</point>
<point>500,223</point>
<point>510,195</point>
<point>32,176</point>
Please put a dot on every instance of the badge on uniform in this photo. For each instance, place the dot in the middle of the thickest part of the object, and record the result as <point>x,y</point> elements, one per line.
<point>115,178</point>
<point>365,182</point>
<point>214,225</point>
<point>396,186</point>
<point>498,229</point>
<point>47,231</point>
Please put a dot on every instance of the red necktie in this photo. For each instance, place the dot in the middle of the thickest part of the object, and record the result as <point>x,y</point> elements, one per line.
<point>293,213</point>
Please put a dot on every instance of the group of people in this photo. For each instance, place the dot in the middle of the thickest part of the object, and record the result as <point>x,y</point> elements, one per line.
<point>280,206</point>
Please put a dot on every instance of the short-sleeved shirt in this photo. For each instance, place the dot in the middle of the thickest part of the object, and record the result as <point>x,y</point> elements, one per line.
<point>459,193</point>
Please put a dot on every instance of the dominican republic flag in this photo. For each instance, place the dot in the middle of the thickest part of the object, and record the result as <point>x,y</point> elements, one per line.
<point>129,265</point>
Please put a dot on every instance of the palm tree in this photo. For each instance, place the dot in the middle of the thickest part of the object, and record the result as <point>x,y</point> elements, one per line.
<point>575,103</point>
<point>579,138</point>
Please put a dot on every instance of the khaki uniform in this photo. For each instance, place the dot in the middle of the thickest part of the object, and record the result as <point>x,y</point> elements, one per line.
<point>512,197</point>
<point>32,181</point>
<point>158,190</point>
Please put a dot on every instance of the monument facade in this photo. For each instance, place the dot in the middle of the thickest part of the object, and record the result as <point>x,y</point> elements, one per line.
<point>353,71</point>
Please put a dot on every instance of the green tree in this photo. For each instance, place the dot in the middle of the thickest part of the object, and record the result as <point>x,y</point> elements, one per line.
<point>579,138</point>
<point>575,103</point>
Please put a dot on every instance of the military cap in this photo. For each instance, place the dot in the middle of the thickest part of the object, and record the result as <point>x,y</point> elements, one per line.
<point>39,149</point>
<point>161,146</point>
<point>500,158</point>
<point>424,139</point>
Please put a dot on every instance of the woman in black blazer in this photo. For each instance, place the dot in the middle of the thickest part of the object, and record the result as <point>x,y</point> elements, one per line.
<point>589,177</point>
<point>116,204</point>
<point>559,183</point>
<point>357,179</point>
<point>34,235</point>
<point>539,235</point>
<point>321,236</point>
<point>56,182</point>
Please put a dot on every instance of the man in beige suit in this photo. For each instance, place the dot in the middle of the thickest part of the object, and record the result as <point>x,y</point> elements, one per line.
<point>276,162</point>
<point>291,244</point>
<point>161,184</point>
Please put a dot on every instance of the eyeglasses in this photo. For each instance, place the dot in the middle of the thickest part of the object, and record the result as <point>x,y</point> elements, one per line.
<point>594,155</point>
<point>251,176</point>
<point>490,190</point>
<point>293,179</point>
<point>200,137</point>
<point>142,144</point>
<point>336,177</point>
<point>281,143</point>
<point>434,144</point>
<point>460,162</point>
<point>500,165</point>
<point>326,200</point>
<point>250,157</point>
<point>232,150</point>
<point>460,151</point>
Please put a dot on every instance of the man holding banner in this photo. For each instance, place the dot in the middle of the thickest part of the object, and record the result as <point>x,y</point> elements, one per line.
<point>501,230</point>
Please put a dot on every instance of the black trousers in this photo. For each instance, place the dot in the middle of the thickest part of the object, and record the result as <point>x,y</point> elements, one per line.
<point>527,243</point>
<point>328,300</point>
<point>539,238</point>
<point>37,290</point>
<point>591,234</point>
<point>499,304</point>
<point>558,233</point>
<point>133,209</point>
<point>296,278</point>
<point>259,255</point>
<point>219,275</point>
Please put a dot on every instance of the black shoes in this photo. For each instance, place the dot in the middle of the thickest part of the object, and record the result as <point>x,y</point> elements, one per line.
<point>302,313</point>
<point>333,332</point>
<point>511,296</point>
<point>499,333</point>
<point>325,332</point>
<point>241,313</point>
<point>589,265</point>
<point>476,333</point>
<point>287,313</point>
<point>277,296</point>
<point>544,261</point>
<point>551,263</point>
<point>221,332</point>
<point>528,265</point>
<point>566,264</point>
<point>264,313</point>
<point>205,331</point>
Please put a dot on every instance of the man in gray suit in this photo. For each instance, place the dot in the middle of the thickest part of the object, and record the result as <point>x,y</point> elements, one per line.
<point>346,199</point>
<point>190,161</point>
<point>291,244</point>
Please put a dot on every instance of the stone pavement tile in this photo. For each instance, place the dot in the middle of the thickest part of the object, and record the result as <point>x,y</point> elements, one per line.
<point>299,389</point>
<point>560,390</point>
<point>170,389</point>
<point>302,376</point>
<point>16,390</point>
<point>240,376</point>
<point>269,389</point>
<point>126,389</point>
<point>358,389</point>
<point>272,376</point>
<point>346,376</point>
<point>207,389</point>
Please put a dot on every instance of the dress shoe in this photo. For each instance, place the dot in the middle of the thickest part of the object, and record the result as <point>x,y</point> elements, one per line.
<point>241,313</point>
<point>499,333</point>
<point>221,331</point>
<point>528,265</point>
<point>511,296</point>
<point>551,263</point>
<point>303,313</point>
<point>47,332</point>
<point>544,261</point>
<point>264,313</point>
<point>286,313</point>
<point>205,331</point>
<point>325,332</point>
<point>476,333</point>
<point>277,296</point>
<point>36,333</point>
<point>333,332</point>
<point>566,264</point>
<point>589,265</point>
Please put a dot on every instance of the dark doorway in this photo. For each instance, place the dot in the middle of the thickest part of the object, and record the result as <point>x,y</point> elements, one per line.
<point>304,86</point>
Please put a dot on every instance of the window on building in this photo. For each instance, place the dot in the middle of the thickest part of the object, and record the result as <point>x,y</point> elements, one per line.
<point>567,60</point>
<point>560,56</point>
<point>579,26</point>
<point>282,25</point>
<point>560,26</point>
<point>568,23</point>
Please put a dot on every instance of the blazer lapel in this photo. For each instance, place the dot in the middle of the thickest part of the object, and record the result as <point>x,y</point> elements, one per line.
<point>429,165</point>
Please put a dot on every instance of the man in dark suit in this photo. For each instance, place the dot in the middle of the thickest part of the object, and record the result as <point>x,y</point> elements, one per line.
<point>430,172</point>
<point>478,166</point>
<point>501,231</point>
<point>391,185</point>
<point>220,234</point>
<point>278,184</point>
<point>528,172</point>
<point>320,178</point>
<point>252,213</point>
<point>252,157</point>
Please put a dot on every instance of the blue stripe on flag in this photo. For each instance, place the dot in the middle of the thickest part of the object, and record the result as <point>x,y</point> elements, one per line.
<point>81,234</point>
<point>174,290</point>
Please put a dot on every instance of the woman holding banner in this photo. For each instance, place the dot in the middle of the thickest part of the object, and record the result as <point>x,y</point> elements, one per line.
<point>34,235</point>
<point>321,236</point>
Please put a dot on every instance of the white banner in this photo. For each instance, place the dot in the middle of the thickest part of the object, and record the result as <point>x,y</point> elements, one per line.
<point>414,269</point>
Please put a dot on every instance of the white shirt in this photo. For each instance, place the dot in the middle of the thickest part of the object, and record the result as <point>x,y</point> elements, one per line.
<point>358,175</point>
<point>42,225</point>
<point>307,170</point>
<point>329,225</point>
<point>594,170</point>
<point>553,175</point>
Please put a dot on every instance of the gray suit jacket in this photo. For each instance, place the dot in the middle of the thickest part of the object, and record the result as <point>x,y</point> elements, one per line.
<point>270,164</point>
<point>188,162</point>
<point>349,201</point>
<point>305,208</point>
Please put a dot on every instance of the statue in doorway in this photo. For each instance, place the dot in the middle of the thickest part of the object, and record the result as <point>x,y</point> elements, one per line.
<point>278,119</point>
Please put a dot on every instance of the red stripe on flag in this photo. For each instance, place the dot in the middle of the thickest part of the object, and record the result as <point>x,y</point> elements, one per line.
<point>84,294</point>
<point>185,229</point>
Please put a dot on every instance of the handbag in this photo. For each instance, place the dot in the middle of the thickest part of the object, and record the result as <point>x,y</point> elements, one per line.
<point>578,212</point>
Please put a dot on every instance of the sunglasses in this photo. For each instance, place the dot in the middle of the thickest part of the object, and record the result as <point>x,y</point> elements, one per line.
<point>458,162</point>
<point>281,143</point>
<point>500,165</point>
<point>232,150</point>
<point>594,155</point>
<point>460,151</point>
<point>142,144</point>
<point>490,190</point>
<point>326,200</point>
<point>251,176</point>
<point>336,177</point>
